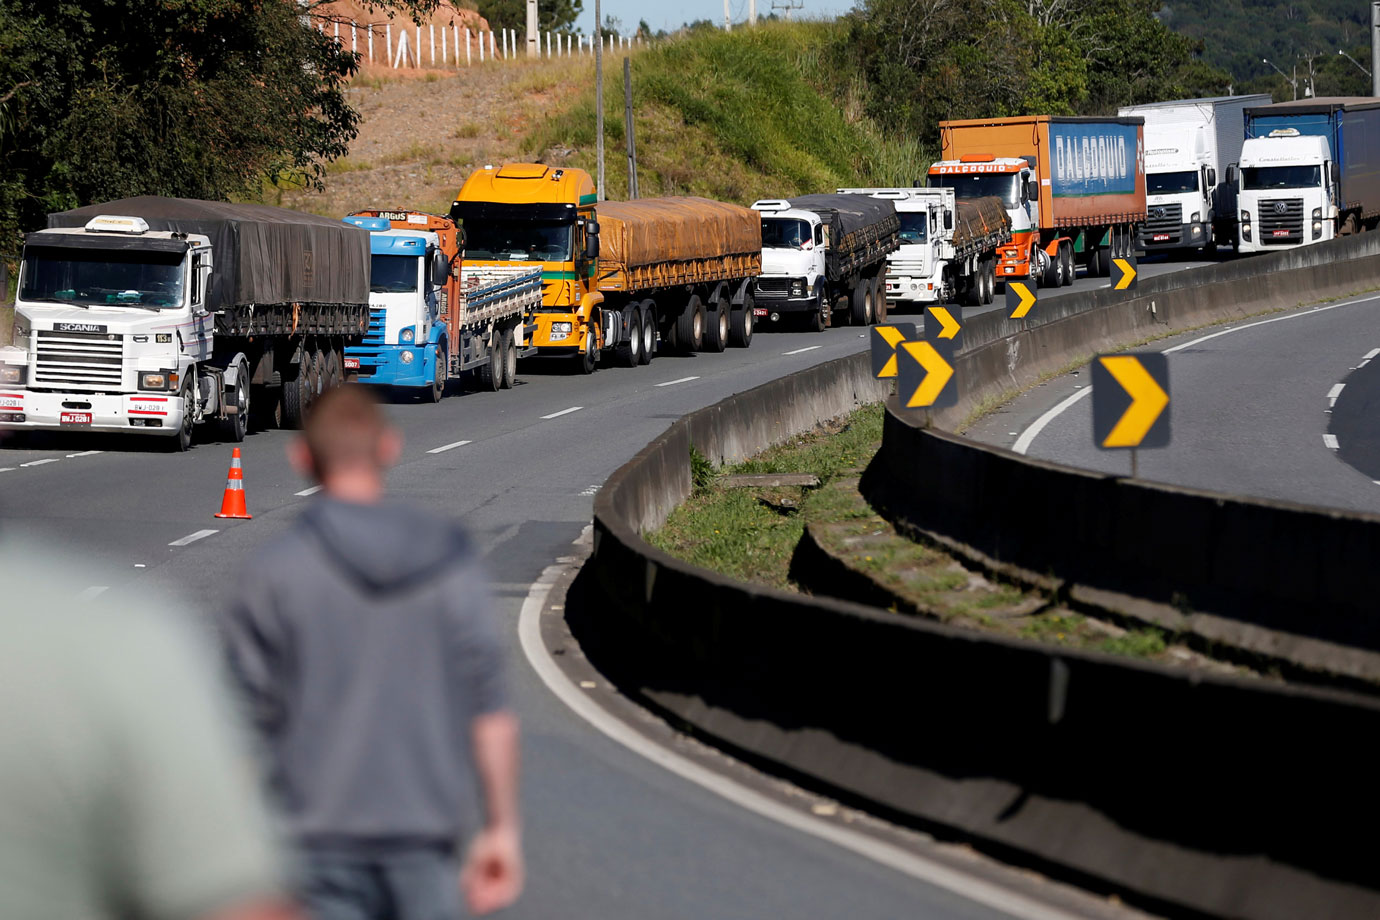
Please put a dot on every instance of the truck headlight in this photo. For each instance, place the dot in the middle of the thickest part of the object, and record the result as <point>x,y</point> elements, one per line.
<point>11,374</point>
<point>408,335</point>
<point>153,380</point>
<point>405,357</point>
<point>1196,218</point>
<point>1317,213</point>
<point>561,331</point>
<point>797,288</point>
<point>1245,217</point>
<point>1317,229</point>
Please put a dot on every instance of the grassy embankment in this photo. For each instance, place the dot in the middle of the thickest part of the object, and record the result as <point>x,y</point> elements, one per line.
<point>737,116</point>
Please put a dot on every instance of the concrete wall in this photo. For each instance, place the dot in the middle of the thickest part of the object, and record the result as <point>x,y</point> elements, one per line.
<point>1190,791</point>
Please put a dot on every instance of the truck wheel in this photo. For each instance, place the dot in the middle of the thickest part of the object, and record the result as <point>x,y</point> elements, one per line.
<point>861,312</point>
<point>648,332</point>
<point>628,353</point>
<point>820,319</point>
<point>182,441</point>
<point>1066,268</point>
<point>716,330</point>
<point>510,352</point>
<point>235,427</point>
<point>690,325</point>
<point>491,373</point>
<point>1051,275</point>
<point>335,372</point>
<point>879,304</point>
<point>740,325</point>
<point>988,273</point>
<point>296,398</point>
<point>589,356</point>
<point>437,390</point>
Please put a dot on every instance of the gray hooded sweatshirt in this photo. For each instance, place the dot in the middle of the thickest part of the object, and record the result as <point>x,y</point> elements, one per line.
<point>364,641</point>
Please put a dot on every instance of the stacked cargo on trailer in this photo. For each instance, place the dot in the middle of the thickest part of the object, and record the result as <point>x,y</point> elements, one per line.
<point>822,253</point>
<point>680,268</point>
<point>431,319</point>
<point>151,315</point>
<point>1189,143</point>
<point>948,247</point>
<point>1309,171</point>
<point>1074,187</point>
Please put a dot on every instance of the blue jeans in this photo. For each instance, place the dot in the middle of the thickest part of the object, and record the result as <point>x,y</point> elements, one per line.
<point>410,884</point>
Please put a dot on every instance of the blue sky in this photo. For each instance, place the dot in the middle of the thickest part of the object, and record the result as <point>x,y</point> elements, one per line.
<point>663,15</point>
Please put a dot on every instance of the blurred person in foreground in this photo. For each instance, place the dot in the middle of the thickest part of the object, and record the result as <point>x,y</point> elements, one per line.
<point>125,790</point>
<point>366,645</point>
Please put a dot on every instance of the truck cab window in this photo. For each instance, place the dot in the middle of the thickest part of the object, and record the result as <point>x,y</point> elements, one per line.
<point>137,278</point>
<point>393,274</point>
<point>914,226</point>
<point>522,240</point>
<point>784,233</point>
<point>197,277</point>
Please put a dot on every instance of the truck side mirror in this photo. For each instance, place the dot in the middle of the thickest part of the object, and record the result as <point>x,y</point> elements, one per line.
<point>1032,190</point>
<point>948,220</point>
<point>440,267</point>
<point>1211,177</point>
<point>1335,171</point>
<point>592,242</point>
<point>1231,174</point>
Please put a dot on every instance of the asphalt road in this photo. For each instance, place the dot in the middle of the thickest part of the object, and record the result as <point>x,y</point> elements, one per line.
<point>1252,411</point>
<point>609,833</point>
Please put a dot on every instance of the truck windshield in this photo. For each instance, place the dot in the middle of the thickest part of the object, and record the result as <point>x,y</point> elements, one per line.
<point>784,233</point>
<point>914,226</point>
<point>1272,177</point>
<point>1171,182</point>
<point>107,278</point>
<point>393,274</point>
<point>519,240</point>
<point>1006,186</point>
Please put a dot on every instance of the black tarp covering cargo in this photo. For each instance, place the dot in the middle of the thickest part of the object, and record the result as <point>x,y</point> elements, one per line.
<point>982,224</point>
<point>862,230</point>
<point>263,255</point>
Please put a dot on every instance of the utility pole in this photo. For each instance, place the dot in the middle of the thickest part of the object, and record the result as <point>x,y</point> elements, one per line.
<point>1375,49</point>
<point>752,12</point>
<point>533,36</point>
<point>1292,81</point>
<point>628,128</point>
<point>728,21</point>
<point>788,6</point>
<point>599,94</point>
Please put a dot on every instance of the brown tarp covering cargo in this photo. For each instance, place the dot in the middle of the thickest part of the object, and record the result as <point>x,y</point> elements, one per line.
<point>263,255</point>
<point>648,231</point>
<point>982,223</point>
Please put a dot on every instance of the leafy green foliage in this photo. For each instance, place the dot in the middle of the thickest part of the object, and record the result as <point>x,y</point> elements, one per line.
<point>552,15</point>
<point>929,60</point>
<point>190,98</point>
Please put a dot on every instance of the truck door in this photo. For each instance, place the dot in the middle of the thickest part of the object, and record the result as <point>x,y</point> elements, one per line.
<point>199,348</point>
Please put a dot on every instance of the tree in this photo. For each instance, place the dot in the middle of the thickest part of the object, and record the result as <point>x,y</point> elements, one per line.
<point>552,15</point>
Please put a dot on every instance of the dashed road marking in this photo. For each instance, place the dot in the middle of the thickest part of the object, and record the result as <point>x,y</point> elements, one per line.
<point>801,351</point>
<point>445,447</point>
<point>305,492</point>
<point>8,469</point>
<point>1330,440</point>
<point>563,412</point>
<point>1371,355</point>
<point>85,453</point>
<point>671,383</point>
<point>92,592</point>
<point>41,462</point>
<point>592,490</point>
<point>1333,393</point>
<point>192,537</point>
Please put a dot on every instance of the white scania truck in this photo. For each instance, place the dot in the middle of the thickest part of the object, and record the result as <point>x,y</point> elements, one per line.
<point>152,315</point>
<point>1188,145</point>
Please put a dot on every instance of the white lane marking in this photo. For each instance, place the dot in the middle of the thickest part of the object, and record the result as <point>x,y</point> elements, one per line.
<point>800,351</point>
<point>1330,440</point>
<point>305,492</point>
<point>92,592</point>
<point>564,412</point>
<point>192,537</point>
<point>445,447</point>
<point>85,453</point>
<point>671,383</point>
<point>1028,437</point>
<point>41,462</point>
<point>914,865</point>
<point>1371,355</point>
<point>8,469</point>
<point>1333,393</point>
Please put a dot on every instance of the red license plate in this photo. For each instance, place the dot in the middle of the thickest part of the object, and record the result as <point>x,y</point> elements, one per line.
<point>1280,233</point>
<point>351,364</point>
<point>75,418</point>
<point>1160,237</point>
<point>759,311</point>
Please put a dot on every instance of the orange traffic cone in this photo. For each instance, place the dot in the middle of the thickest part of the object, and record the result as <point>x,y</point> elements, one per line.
<point>232,505</point>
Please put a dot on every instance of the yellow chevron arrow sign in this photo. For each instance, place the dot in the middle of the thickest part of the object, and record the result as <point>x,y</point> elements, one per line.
<point>1123,274</point>
<point>1143,423</point>
<point>884,342</point>
<point>948,326</point>
<point>1019,298</point>
<point>924,375</point>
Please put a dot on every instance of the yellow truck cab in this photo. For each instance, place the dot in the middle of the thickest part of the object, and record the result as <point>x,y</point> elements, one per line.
<point>522,214</point>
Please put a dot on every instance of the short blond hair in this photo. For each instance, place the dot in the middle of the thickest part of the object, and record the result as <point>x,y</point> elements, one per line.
<point>345,428</point>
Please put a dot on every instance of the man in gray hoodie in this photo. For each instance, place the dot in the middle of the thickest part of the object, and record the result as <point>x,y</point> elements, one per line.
<point>365,644</point>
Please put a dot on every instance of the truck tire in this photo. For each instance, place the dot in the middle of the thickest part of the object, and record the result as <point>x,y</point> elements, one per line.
<point>296,397</point>
<point>740,324</point>
<point>690,325</point>
<point>510,356</point>
<point>335,368</point>
<point>648,313</point>
<point>589,354</point>
<point>1051,276</point>
<point>879,305</point>
<point>1066,268</point>
<point>819,320</point>
<point>861,312</point>
<point>234,427</point>
<point>437,391</point>
<point>716,328</point>
<point>988,273</point>
<point>491,374</point>
<point>628,352</point>
<point>182,440</point>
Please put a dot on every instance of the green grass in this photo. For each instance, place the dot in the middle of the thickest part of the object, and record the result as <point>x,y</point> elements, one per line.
<point>748,114</point>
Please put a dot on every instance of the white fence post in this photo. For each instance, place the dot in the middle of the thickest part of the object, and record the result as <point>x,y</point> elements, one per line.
<point>481,47</point>
<point>431,30</point>
<point>493,47</point>
<point>445,55</point>
<point>416,48</point>
<point>369,37</point>
<point>388,42</point>
<point>468,60</point>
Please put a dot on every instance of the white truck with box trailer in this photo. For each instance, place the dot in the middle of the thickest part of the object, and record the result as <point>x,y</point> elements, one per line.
<point>1189,143</point>
<point>152,315</point>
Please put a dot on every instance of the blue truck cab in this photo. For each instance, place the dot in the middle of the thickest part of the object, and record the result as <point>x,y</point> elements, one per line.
<point>407,333</point>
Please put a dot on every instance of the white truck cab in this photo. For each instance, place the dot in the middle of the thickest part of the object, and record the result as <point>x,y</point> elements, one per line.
<point>793,251</point>
<point>109,322</point>
<point>1287,191</point>
<point>1012,179</point>
<point>915,270</point>
<point>1178,184</point>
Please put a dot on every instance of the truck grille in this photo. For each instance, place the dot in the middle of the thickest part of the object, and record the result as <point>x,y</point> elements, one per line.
<point>89,360</point>
<point>1281,221</point>
<point>377,329</point>
<point>774,287</point>
<point>1163,224</point>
